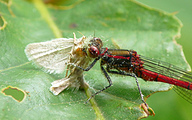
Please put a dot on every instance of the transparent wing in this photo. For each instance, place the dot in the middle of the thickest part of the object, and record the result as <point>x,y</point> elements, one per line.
<point>170,71</point>
<point>52,55</point>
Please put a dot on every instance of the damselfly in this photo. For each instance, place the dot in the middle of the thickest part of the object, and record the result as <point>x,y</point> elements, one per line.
<point>129,63</point>
<point>53,55</point>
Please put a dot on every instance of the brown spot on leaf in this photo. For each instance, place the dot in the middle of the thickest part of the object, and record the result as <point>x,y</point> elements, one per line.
<point>73,25</point>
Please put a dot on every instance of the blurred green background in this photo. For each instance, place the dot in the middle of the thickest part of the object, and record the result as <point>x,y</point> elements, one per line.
<point>169,105</point>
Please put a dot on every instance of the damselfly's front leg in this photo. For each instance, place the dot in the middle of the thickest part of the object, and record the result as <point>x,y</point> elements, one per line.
<point>109,80</point>
<point>89,67</point>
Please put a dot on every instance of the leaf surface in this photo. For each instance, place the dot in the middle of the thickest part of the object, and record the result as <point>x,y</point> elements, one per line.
<point>128,24</point>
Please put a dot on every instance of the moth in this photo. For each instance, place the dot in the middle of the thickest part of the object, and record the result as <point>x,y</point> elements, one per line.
<point>58,55</point>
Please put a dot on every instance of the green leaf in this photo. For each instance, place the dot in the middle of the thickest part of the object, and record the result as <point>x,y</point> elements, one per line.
<point>129,24</point>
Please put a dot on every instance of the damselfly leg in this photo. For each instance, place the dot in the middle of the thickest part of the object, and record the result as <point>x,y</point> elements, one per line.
<point>132,75</point>
<point>109,79</point>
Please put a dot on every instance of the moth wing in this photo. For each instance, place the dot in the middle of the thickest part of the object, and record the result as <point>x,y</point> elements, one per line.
<point>51,56</point>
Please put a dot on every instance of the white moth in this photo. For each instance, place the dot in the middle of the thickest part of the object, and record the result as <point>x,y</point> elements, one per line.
<point>53,57</point>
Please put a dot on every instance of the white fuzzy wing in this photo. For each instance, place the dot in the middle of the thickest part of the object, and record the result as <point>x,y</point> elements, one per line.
<point>52,55</point>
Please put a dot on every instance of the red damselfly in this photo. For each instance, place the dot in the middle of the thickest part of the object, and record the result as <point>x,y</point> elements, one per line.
<point>53,56</point>
<point>129,63</point>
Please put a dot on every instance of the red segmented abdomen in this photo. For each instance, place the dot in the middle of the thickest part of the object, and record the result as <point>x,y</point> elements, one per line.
<point>152,76</point>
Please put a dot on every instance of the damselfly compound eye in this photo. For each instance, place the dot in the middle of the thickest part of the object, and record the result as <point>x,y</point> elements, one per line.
<point>94,51</point>
<point>96,42</point>
<point>99,42</point>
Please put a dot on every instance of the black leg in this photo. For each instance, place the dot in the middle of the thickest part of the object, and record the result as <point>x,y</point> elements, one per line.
<point>132,75</point>
<point>109,80</point>
<point>89,67</point>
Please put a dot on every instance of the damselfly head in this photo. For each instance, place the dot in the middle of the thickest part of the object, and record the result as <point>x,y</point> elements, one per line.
<point>94,47</point>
